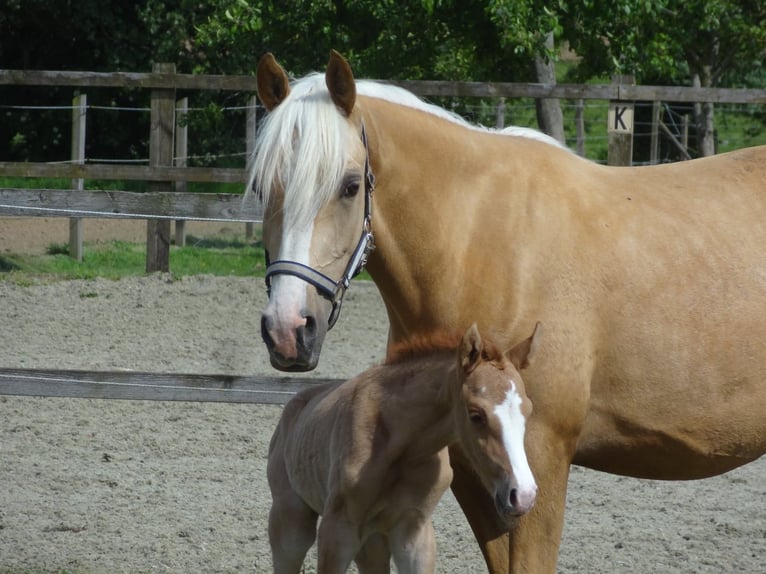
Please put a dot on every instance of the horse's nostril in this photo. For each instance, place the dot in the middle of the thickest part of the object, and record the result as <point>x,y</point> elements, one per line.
<point>306,333</point>
<point>266,325</point>
<point>514,498</point>
<point>311,326</point>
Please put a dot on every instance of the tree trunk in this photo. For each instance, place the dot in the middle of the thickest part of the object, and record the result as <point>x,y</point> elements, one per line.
<point>703,115</point>
<point>549,116</point>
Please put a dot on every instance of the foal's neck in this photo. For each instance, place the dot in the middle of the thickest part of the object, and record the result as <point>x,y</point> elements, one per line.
<point>421,412</point>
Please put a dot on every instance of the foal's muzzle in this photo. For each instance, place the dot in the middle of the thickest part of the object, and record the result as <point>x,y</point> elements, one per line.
<point>511,501</point>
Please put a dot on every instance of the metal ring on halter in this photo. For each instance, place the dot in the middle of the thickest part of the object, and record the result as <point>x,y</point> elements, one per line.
<point>325,286</point>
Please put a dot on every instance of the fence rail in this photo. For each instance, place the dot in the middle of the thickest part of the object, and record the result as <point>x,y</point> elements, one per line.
<point>166,171</point>
<point>176,81</point>
<point>134,385</point>
<point>123,172</point>
<point>126,204</point>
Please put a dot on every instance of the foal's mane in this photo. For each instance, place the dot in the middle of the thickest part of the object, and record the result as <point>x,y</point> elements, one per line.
<point>439,342</point>
<point>303,143</point>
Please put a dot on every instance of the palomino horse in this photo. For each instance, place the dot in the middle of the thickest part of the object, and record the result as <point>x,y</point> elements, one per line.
<point>370,455</point>
<point>651,280</point>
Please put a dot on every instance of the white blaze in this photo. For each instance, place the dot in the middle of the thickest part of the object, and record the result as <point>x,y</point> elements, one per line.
<point>288,293</point>
<point>513,424</point>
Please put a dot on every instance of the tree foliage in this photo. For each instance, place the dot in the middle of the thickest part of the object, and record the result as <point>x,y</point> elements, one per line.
<point>667,41</point>
<point>720,42</point>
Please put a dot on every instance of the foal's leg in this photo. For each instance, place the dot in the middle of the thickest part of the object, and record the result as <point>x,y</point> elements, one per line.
<point>413,545</point>
<point>292,531</point>
<point>338,543</point>
<point>374,556</point>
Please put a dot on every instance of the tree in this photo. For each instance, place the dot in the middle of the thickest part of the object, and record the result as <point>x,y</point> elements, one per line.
<point>432,39</point>
<point>697,42</point>
<point>711,42</point>
<point>86,35</point>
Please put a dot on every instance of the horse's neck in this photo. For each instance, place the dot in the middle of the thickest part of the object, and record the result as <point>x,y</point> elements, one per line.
<point>419,411</point>
<point>451,199</point>
<point>425,207</point>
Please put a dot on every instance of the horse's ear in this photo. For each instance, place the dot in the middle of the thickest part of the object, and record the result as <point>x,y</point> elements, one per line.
<point>522,354</point>
<point>273,85</point>
<point>470,350</point>
<point>340,82</point>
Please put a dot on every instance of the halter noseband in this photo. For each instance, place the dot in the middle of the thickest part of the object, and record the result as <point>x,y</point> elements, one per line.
<point>327,288</point>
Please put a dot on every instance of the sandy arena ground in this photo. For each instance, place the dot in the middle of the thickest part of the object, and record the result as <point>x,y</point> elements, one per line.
<point>96,486</point>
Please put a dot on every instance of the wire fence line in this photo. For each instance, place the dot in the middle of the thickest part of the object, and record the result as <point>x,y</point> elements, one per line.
<point>734,121</point>
<point>170,165</point>
<point>30,210</point>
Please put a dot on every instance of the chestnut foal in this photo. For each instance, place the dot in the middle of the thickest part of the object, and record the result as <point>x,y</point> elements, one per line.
<point>370,454</point>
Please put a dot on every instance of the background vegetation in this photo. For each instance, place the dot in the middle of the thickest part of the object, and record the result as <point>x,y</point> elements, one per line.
<point>665,42</point>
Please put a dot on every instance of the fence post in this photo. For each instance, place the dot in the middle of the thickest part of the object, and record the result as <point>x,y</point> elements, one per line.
<point>654,147</point>
<point>250,125</point>
<point>500,113</point>
<point>620,126</point>
<point>160,154</point>
<point>580,127</point>
<point>79,110</point>
<point>182,148</point>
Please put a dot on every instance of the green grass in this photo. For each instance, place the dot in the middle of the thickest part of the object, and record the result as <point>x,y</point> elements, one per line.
<point>117,259</point>
<point>111,185</point>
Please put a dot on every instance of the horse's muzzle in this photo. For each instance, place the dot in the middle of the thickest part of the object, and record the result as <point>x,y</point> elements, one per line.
<point>292,350</point>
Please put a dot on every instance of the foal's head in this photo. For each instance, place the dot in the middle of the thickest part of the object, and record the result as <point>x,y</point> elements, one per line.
<point>491,408</point>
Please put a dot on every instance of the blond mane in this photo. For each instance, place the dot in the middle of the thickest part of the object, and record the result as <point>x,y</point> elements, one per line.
<point>302,143</point>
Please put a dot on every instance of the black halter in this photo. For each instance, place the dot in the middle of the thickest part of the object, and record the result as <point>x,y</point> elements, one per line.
<point>329,289</point>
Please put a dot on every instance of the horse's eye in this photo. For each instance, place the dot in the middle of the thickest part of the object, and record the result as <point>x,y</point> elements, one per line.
<point>351,189</point>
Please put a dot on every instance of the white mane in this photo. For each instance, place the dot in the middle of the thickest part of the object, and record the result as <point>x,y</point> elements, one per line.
<point>397,95</point>
<point>302,143</point>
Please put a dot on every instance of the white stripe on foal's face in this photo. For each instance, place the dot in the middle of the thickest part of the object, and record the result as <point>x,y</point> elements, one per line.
<point>513,424</point>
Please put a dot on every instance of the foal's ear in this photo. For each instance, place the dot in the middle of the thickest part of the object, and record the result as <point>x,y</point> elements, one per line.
<point>522,354</point>
<point>273,85</point>
<point>471,348</point>
<point>340,82</point>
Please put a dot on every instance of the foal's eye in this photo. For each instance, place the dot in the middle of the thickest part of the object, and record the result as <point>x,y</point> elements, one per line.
<point>351,189</point>
<point>476,417</point>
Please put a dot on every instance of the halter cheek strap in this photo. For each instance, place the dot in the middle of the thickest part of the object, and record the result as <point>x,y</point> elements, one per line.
<point>325,286</point>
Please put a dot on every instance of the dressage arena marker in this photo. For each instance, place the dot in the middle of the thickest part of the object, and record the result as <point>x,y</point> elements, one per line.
<point>620,118</point>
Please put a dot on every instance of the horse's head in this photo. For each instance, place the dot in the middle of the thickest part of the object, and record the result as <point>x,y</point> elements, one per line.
<point>491,413</point>
<point>311,168</point>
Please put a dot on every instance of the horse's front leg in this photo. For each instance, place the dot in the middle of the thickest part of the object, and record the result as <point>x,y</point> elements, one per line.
<point>531,543</point>
<point>535,538</point>
<point>292,523</point>
<point>476,503</point>
<point>413,545</point>
<point>374,556</point>
<point>337,543</point>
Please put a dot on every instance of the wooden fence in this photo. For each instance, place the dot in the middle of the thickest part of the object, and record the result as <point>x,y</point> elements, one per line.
<point>162,203</point>
<point>134,385</point>
<point>167,201</point>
